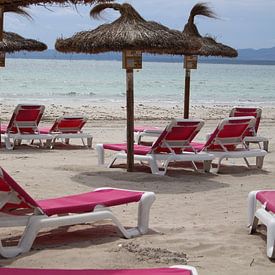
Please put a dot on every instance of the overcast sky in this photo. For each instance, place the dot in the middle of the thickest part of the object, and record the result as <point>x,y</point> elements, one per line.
<point>241,23</point>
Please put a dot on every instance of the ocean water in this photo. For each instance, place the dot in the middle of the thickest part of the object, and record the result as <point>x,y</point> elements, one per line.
<point>89,81</point>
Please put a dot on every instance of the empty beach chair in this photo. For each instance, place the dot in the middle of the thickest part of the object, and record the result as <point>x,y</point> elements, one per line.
<point>227,141</point>
<point>20,209</point>
<point>68,127</point>
<point>173,270</point>
<point>23,125</point>
<point>251,133</point>
<point>265,214</point>
<point>169,147</point>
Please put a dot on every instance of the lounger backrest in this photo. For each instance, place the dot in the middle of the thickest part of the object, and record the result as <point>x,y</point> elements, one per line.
<point>243,111</point>
<point>177,136</point>
<point>229,133</point>
<point>69,124</point>
<point>12,195</point>
<point>25,119</point>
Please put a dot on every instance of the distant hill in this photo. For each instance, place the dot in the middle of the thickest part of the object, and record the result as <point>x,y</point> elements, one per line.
<point>246,56</point>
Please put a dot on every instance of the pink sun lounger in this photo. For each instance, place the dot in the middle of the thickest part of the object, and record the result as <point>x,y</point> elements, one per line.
<point>251,133</point>
<point>68,127</point>
<point>265,214</point>
<point>23,125</point>
<point>20,209</point>
<point>173,270</point>
<point>227,141</point>
<point>169,147</point>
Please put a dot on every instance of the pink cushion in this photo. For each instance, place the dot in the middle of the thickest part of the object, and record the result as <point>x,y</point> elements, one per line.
<point>44,130</point>
<point>147,271</point>
<point>267,197</point>
<point>4,128</point>
<point>87,201</point>
<point>145,128</point>
<point>138,149</point>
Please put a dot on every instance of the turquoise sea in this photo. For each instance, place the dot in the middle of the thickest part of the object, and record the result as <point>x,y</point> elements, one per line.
<point>88,81</point>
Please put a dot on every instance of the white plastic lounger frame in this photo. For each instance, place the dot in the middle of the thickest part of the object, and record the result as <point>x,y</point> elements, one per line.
<point>266,217</point>
<point>241,152</point>
<point>70,127</point>
<point>170,145</point>
<point>34,223</point>
<point>153,159</point>
<point>21,127</point>
<point>138,135</point>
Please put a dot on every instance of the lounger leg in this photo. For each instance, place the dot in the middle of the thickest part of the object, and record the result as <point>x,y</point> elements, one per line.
<point>53,143</point>
<point>67,141</point>
<point>207,166</point>
<point>154,167</point>
<point>48,143</point>
<point>144,211</point>
<point>8,143</point>
<point>270,235</point>
<point>259,162</point>
<point>219,165</point>
<point>252,220</point>
<point>89,142</point>
<point>246,161</point>
<point>266,145</point>
<point>100,154</point>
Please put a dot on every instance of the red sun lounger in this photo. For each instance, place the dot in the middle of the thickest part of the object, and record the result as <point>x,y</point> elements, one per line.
<point>173,270</point>
<point>169,147</point>
<point>15,202</point>
<point>23,125</point>
<point>66,128</point>
<point>251,133</point>
<point>265,214</point>
<point>227,141</point>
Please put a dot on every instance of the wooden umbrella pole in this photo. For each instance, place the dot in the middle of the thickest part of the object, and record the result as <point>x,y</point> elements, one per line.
<point>130,119</point>
<point>187,93</point>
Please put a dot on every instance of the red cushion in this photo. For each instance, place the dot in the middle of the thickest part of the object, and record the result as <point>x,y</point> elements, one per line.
<point>4,128</point>
<point>87,201</point>
<point>147,271</point>
<point>44,130</point>
<point>267,197</point>
<point>138,149</point>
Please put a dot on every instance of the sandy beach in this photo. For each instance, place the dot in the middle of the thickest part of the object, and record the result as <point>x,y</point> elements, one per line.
<point>199,219</point>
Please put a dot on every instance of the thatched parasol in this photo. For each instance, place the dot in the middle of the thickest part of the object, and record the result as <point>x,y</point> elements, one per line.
<point>13,42</point>
<point>209,46</point>
<point>129,32</point>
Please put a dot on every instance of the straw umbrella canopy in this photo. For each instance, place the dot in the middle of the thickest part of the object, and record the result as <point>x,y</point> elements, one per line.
<point>129,32</point>
<point>209,46</point>
<point>13,42</point>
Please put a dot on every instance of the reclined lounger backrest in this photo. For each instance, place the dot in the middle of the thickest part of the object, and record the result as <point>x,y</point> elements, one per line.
<point>177,136</point>
<point>229,133</point>
<point>69,124</point>
<point>243,111</point>
<point>25,119</point>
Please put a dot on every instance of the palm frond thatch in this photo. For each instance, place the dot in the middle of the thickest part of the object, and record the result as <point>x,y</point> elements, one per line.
<point>209,45</point>
<point>18,10</point>
<point>129,32</point>
<point>24,3</point>
<point>13,42</point>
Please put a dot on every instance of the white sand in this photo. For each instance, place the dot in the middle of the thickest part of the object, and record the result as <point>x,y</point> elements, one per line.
<point>201,215</point>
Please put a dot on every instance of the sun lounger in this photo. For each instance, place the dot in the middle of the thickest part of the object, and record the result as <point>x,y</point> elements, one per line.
<point>88,207</point>
<point>173,270</point>
<point>265,214</point>
<point>169,147</point>
<point>23,125</point>
<point>68,127</point>
<point>251,133</point>
<point>227,141</point>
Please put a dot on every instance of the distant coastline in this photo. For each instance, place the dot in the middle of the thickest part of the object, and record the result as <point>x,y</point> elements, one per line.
<point>246,56</point>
